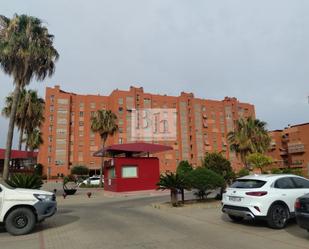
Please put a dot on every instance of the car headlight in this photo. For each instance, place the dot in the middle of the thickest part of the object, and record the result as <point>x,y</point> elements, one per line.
<point>42,197</point>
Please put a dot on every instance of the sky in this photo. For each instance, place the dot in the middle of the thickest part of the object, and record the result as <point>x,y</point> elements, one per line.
<point>257,51</point>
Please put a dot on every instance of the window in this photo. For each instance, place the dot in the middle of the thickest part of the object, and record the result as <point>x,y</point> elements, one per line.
<point>50,138</point>
<point>51,118</point>
<point>49,160</point>
<point>300,182</point>
<point>129,171</point>
<point>284,183</point>
<point>120,101</point>
<point>247,183</point>
<point>81,104</point>
<point>63,101</point>
<point>49,148</point>
<point>50,128</point>
<point>51,108</point>
<point>81,114</point>
<point>81,123</point>
<point>92,105</point>
<point>111,172</point>
<point>62,121</point>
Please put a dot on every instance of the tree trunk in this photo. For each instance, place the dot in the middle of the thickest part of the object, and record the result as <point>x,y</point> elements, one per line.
<point>102,165</point>
<point>10,133</point>
<point>174,199</point>
<point>183,196</point>
<point>21,135</point>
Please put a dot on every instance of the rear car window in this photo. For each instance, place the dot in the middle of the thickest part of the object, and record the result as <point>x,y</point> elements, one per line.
<point>247,183</point>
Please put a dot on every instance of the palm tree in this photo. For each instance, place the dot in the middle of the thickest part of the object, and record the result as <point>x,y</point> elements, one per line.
<point>29,114</point>
<point>34,140</point>
<point>173,182</point>
<point>250,136</point>
<point>104,122</point>
<point>26,52</point>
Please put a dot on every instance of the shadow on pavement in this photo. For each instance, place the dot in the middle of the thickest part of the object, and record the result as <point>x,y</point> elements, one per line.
<point>291,228</point>
<point>59,220</point>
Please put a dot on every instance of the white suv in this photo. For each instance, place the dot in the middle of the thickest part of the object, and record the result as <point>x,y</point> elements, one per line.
<point>269,197</point>
<point>21,209</point>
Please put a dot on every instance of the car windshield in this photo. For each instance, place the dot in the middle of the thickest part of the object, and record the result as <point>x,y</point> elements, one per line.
<point>247,183</point>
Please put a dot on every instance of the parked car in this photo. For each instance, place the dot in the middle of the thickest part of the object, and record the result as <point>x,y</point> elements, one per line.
<point>269,197</point>
<point>21,209</point>
<point>302,211</point>
<point>93,180</point>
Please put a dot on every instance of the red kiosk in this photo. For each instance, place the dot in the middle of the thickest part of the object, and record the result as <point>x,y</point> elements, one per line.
<point>130,167</point>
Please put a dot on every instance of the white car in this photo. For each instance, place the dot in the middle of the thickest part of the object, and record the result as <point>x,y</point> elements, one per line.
<point>93,180</point>
<point>21,209</point>
<point>269,197</point>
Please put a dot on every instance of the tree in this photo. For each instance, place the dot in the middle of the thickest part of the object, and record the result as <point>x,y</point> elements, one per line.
<point>29,114</point>
<point>259,161</point>
<point>183,169</point>
<point>104,122</point>
<point>249,136</point>
<point>26,52</point>
<point>243,172</point>
<point>34,140</point>
<point>173,182</point>
<point>219,164</point>
<point>205,180</point>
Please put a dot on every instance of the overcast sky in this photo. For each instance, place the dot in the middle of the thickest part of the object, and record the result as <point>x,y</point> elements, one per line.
<point>255,50</point>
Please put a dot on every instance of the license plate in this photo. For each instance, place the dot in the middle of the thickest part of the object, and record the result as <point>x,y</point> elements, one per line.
<point>233,198</point>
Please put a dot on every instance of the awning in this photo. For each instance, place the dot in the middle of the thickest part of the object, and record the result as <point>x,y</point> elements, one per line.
<point>19,154</point>
<point>132,148</point>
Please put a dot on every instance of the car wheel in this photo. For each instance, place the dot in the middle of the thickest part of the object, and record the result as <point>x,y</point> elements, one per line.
<point>235,218</point>
<point>20,221</point>
<point>278,216</point>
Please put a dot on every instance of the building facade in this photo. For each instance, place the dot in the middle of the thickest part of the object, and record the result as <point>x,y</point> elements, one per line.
<point>290,147</point>
<point>202,126</point>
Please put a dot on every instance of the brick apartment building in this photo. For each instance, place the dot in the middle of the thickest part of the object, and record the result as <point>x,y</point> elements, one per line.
<point>202,126</point>
<point>289,147</point>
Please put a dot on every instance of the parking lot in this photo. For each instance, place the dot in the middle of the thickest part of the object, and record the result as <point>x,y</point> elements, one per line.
<point>133,222</point>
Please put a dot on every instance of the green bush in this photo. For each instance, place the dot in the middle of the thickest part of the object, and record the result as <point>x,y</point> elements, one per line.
<point>80,170</point>
<point>276,171</point>
<point>204,180</point>
<point>184,167</point>
<point>243,172</point>
<point>25,181</point>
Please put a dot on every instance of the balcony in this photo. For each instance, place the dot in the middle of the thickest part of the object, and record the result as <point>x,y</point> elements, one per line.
<point>296,148</point>
<point>283,152</point>
<point>272,145</point>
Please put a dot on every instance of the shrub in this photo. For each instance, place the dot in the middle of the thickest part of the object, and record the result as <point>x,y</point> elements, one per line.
<point>80,170</point>
<point>204,180</point>
<point>184,167</point>
<point>25,181</point>
<point>276,171</point>
<point>173,182</point>
<point>243,172</point>
<point>259,161</point>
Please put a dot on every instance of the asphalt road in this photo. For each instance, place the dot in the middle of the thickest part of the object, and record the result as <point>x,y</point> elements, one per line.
<point>131,222</point>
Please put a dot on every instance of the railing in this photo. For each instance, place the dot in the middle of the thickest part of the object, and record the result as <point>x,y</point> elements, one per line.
<point>296,148</point>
